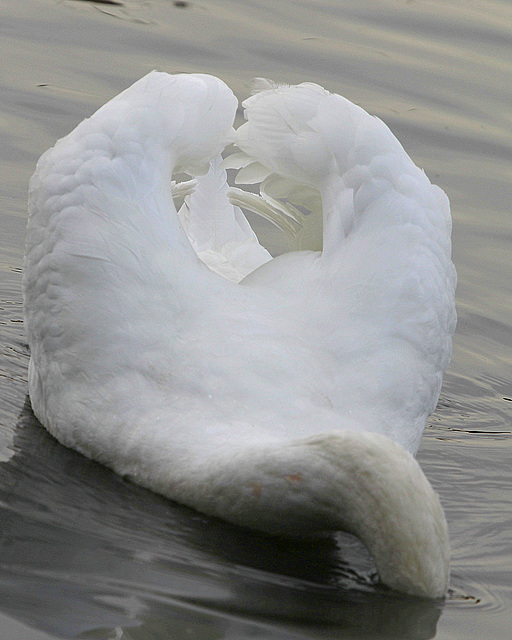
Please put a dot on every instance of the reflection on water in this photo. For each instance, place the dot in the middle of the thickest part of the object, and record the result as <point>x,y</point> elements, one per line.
<point>96,552</point>
<point>84,553</point>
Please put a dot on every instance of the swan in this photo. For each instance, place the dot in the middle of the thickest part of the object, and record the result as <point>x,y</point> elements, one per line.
<point>285,394</point>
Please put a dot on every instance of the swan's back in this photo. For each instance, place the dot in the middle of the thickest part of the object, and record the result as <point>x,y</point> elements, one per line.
<point>345,334</point>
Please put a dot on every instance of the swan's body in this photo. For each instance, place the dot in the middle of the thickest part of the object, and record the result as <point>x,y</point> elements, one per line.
<point>291,401</point>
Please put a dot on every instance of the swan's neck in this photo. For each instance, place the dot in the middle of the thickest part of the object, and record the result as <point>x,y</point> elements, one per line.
<point>360,482</point>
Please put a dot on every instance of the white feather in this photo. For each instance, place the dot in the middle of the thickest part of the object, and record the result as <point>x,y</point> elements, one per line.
<point>219,231</point>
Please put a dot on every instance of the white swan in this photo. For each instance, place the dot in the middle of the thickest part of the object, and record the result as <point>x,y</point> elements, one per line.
<point>292,401</point>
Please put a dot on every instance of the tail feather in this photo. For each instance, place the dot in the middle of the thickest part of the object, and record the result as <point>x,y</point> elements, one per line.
<point>218,230</point>
<point>282,217</point>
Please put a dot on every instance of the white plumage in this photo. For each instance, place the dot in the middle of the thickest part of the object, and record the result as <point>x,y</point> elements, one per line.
<point>289,394</point>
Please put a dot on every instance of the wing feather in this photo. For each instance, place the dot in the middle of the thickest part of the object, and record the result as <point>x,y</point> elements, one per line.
<point>105,248</point>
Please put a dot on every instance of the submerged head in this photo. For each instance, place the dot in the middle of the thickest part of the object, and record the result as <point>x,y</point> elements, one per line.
<point>386,500</point>
<point>403,522</point>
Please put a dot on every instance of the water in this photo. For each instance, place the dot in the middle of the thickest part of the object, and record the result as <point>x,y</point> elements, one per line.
<point>85,554</point>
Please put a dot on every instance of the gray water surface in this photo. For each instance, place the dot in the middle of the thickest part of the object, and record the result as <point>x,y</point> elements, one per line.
<point>84,554</point>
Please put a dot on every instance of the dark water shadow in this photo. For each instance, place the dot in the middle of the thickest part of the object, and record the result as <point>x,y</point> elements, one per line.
<point>85,553</point>
<point>114,2</point>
